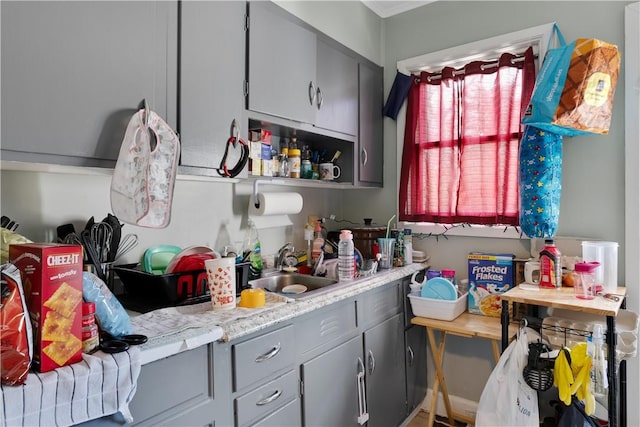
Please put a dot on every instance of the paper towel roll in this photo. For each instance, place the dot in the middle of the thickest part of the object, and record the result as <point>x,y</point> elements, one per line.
<point>276,204</point>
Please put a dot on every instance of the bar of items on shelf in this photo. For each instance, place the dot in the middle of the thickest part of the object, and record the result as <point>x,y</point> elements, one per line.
<point>289,158</point>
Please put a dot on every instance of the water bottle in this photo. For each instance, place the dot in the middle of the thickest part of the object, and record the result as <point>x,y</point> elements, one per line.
<point>346,259</point>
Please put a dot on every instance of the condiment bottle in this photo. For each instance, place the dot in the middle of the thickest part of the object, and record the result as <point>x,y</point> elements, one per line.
<point>90,338</point>
<point>294,163</point>
<point>550,265</point>
<point>450,275</point>
<point>318,242</point>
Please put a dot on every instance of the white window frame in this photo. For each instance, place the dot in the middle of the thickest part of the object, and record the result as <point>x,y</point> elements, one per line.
<point>455,57</point>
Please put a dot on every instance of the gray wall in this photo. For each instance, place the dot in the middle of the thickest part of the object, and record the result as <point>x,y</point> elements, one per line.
<point>592,202</point>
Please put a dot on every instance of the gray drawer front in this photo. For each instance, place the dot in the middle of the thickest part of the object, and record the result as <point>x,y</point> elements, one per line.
<point>287,416</point>
<point>262,356</point>
<point>267,398</point>
<point>380,304</point>
<point>325,326</point>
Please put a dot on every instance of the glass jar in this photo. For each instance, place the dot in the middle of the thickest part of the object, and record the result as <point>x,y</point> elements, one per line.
<point>284,163</point>
<point>294,163</point>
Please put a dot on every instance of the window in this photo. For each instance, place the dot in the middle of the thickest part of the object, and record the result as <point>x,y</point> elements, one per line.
<point>464,168</point>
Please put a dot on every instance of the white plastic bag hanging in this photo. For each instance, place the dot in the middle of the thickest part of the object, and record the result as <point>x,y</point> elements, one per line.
<point>507,400</point>
<point>144,175</point>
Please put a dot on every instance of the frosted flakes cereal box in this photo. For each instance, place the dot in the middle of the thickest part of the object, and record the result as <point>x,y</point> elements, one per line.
<point>490,275</point>
<point>52,279</point>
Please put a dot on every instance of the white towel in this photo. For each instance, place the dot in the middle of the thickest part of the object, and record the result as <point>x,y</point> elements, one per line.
<point>101,384</point>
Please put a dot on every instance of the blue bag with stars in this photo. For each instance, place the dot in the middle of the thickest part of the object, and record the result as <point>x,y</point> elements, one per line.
<point>540,177</point>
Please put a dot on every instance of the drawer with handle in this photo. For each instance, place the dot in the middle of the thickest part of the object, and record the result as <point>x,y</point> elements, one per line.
<point>266,399</point>
<point>262,356</point>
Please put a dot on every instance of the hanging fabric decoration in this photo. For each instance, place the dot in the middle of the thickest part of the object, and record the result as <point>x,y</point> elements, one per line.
<point>574,90</point>
<point>144,175</point>
<point>540,180</point>
<point>397,95</point>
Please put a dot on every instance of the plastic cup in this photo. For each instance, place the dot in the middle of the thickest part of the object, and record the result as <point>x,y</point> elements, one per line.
<point>606,253</point>
<point>387,247</point>
<point>221,277</point>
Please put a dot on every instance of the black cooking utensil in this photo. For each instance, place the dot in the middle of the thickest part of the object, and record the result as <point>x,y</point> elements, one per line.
<point>92,254</point>
<point>116,235</point>
<point>64,230</point>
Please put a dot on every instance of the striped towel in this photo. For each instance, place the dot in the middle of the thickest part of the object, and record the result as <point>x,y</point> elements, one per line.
<point>101,384</point>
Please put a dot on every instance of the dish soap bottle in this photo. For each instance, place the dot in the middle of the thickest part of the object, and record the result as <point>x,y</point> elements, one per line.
<point>318,242</point>
<point>346,258</point>
<point>252,245</point>
<point>550,265</point>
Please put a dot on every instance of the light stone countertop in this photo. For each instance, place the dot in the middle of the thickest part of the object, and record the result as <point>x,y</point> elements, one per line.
<point>189,327</point>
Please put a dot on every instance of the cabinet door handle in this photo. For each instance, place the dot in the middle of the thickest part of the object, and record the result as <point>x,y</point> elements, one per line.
<point>271,353</point>
<point>276,394</point>
<point>319,98</point>
<point>363,415</point>
<point>312,93</point>
<point>411,355</point>
<point>365,157</point>
<point>371,362</point>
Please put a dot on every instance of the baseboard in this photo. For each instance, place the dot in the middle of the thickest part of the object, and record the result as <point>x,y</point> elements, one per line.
<point>458,404</point>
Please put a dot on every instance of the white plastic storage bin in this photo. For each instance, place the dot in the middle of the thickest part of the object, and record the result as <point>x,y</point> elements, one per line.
<point>437,308</point>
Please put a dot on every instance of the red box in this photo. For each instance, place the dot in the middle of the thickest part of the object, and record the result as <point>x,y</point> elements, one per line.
<point>52,279</point>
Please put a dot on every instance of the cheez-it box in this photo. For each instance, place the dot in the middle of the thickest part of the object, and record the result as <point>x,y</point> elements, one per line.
<point>52,279</point>
<point>490,275</point>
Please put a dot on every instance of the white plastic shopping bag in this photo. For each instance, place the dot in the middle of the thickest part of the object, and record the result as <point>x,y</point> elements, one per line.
<point>144,175</point>
<point>507,400</point>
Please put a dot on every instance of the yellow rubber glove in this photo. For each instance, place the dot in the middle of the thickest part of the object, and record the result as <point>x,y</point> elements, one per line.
<point>581,368</point>
<point>563,377</point>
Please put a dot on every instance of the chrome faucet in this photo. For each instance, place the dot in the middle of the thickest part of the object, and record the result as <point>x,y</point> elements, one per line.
<point>284,252</point>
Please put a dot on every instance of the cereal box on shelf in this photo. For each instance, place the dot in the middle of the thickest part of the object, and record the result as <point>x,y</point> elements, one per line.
<point>52,278</point>
<point>490,275</point>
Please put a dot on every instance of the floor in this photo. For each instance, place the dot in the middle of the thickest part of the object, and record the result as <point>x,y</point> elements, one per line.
<point>421,419</point>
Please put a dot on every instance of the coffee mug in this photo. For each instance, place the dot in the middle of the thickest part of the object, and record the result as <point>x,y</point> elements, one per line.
<point>532,272</point>
<point>329,171</point>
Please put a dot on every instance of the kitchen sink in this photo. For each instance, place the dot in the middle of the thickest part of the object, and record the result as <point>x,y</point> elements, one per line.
<point>278,282</point>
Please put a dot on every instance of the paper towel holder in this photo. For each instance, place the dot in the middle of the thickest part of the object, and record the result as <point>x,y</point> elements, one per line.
<point>256,199</point>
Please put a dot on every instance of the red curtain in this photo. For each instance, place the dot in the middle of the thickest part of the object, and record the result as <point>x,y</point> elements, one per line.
<point>460,154</point>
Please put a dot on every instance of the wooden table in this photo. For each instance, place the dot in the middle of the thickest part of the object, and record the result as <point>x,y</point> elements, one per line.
<point>468,326</point>
<point>564,298</point>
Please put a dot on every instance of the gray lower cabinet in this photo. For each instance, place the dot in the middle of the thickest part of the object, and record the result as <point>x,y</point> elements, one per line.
<point>370,146</point>
<point>415,339</point>
<point>330,396</point>
<point>385,373</point>
<point>341,351</point>
<point>73,73</point>
<point>212,64</point>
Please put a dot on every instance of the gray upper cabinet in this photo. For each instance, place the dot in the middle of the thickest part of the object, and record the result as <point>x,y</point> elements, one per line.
<point>337,90</point>
<point>370,156</point>
<point>281,64</point>
<point>212,55</point>
<point>73,73</point>
<point>297,74</point>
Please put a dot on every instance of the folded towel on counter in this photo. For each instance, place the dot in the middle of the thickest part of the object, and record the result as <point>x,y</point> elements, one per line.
<point>101,384</point>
